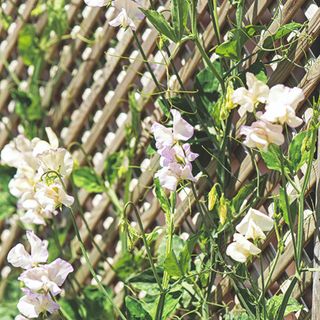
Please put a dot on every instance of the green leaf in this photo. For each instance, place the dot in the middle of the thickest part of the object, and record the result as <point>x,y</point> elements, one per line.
<point>135,115</point>
<point>164,107</point>
<point>7,201</point>
<point>259,70</point>
<point>161,24</point>
<point>232,48</point>
<point>127,265</point>
<point>282,31</point>
<point>206,80</point>
<point>293,207</point>
<point>179,14</point>
<point>96,305</point>
<point>114,167</point>
<point>171,265</point>
<point>247,191</point>
<point>274,303</point>
<point>28,44</point>
<point>145,281</point>
<point>136,310</point>
<point>162,197</point>
<point>299,150</point>
<point>87,179</point>
<point>272,157</point>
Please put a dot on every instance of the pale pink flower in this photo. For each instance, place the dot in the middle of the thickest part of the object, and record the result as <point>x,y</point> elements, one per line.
<point>248,98</point>
<point>19,257</point>
<point>170,175</point>
<point>281,105</point>
<point>241,249</point>
<point>129,14</point>
<point>48,278</point>
<point>167,137</point>
<point>177,153</point>
<point>31,305</point>
<point>261,133</point>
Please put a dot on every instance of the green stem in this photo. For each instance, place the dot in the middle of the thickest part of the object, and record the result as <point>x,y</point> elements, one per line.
<point>145,242</point>
<point>302,199</point>
<point>93,273</point>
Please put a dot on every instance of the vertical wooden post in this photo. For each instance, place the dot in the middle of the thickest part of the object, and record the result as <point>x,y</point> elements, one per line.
<point>316,259</point>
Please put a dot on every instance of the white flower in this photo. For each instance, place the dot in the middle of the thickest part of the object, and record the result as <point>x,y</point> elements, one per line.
<point>52,196</point>
<point>248,98</point>
<point>19,257</point>
<point>19,153</point>
<point>129,14</point>
<point>281,105</point>
<point>254,224</point>
<point>32,305</point>
<point>96,3</point>
<point>59,160</point>
<point>261,133</point>
<point>241,249</point>
<point>42,145</point>
<point>49,277</point>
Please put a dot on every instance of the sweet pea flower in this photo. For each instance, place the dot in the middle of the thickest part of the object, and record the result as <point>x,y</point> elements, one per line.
<point>20,258</point>
<point>59,160</point>
<point>96,3</point>
<point>254,224</point>
<point>167,137</point>
<point>241,249</point>
<point>48,278</point>
<point>281,105</point>
<point>129,14</point>
<point>248,98</point>
<point>31,305</point>
<point>169,176</point>
<point>52,196</point>
<point>261,133</point>
<point>178,153</point>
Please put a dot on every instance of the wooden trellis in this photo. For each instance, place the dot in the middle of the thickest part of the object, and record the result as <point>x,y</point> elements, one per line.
<point>85,91</point>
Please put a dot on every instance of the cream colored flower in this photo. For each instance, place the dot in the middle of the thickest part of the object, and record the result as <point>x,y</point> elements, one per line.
<point>248,98</point>
<point>241,249</point>
<point>254,224</point>
<point>261,133</point>
<point>281,105</point>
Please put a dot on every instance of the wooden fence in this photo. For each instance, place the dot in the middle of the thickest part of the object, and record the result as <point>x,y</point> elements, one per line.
<point>85,86</point>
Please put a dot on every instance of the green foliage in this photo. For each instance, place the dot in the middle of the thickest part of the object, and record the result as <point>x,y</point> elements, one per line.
<point>28,44</point>
<point>232,48</point>
<point>162,197</point>
<point>114,167</point>
<point>179,12</point>
<point>91,305</point>
<point>136,310</point>
<point>128,264</point>
<point>274,303</point>
<point>272,158</point>
<point>7,201</point>
<point>87,178</point>
<point>161,24</point>
<point>248,191</point>
<point>299,150</point>
<point>282,32</point>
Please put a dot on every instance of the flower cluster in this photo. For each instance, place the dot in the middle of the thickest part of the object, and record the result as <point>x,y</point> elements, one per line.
<point>41,281</point>
<point>175,156</point>
<point>280,105</point>
<point>252,226</point>
<point>39,181</point>
<point>128,12</point>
